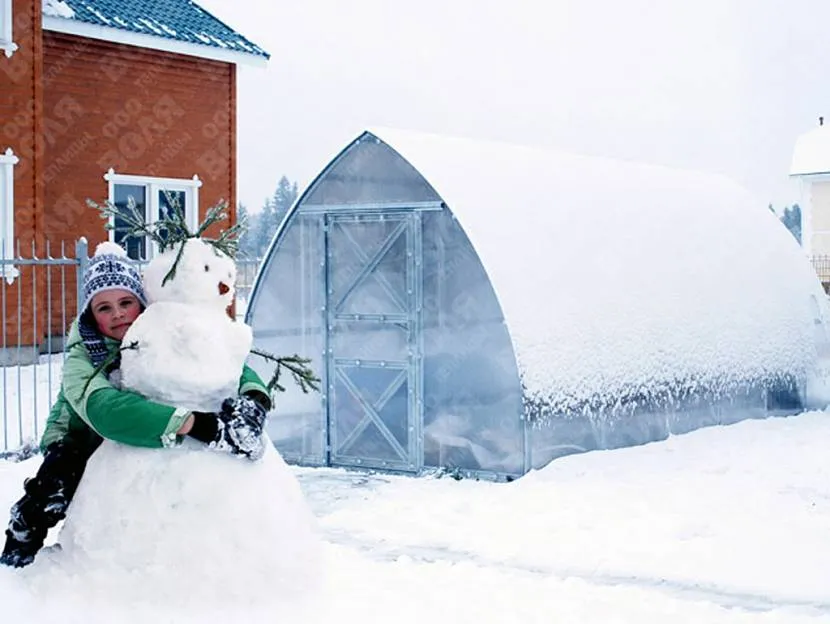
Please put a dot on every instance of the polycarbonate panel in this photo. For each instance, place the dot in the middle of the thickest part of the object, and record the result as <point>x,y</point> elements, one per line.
<point>371,173</point>
<point>287,317</point>
<point>366,340</point>
<point>368,265</point>
<point>371,429</point>
<point>472,394</point>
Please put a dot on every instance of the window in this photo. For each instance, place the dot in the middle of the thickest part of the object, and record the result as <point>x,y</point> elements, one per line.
<point>6,44</point>
<point>7,162</point>
<point>154,198</point>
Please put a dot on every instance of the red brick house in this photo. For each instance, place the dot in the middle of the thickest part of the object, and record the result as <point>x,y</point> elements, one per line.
<point>106,99</point>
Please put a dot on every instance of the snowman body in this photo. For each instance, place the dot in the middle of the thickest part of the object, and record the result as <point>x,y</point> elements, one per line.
<point>185,349</point>
<point>185,357</point>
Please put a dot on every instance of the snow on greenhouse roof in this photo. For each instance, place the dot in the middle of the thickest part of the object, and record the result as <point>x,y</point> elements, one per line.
<point>612,274</point>
<point>812,152</point>
<point>172,25</point>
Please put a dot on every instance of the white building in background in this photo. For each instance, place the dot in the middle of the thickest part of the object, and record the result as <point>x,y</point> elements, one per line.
<point>811,167</point>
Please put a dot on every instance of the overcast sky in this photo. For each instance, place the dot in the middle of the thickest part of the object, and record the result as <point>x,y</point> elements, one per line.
<point>719,85</point>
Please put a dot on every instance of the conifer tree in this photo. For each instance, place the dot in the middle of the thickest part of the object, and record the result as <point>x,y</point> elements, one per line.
<point>792,220</point>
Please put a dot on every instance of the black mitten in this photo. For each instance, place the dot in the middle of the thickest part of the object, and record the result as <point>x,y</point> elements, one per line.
<point>249,410</point>
<point>260,397</point>
<point>229,433</point>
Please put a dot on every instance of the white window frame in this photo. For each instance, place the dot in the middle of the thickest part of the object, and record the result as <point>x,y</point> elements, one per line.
<point>152,187</point>
<point>6,43</point>
<point>7,162</point>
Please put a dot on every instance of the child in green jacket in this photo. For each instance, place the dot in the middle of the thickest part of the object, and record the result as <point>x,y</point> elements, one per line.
<point>90,407</point>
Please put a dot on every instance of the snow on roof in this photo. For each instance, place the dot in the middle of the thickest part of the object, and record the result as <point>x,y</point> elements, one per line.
<point>178,20</point>
<point>57,8</point>
<point>612,274</point>
<point>812,152</point>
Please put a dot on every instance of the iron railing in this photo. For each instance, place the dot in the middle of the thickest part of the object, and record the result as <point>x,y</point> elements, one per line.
<point>39,292</point>
<point>821,264</point>
<point>246,270</point>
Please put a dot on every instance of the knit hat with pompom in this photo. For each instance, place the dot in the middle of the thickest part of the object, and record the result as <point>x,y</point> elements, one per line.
<point>110,269</point>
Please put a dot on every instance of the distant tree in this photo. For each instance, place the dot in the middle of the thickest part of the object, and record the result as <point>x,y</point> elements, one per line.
<point>792,220</point>
<point>263,225</point>
<point>284,198</point>
<point>274,211</point>
<point>247,248</point>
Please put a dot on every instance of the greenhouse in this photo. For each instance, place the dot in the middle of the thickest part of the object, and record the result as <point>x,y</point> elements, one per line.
<point>483,308</point>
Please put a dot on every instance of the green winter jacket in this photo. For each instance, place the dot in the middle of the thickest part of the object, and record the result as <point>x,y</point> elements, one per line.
<point>89,406</point>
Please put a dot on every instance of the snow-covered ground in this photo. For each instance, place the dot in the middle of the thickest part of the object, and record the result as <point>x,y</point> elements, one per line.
<point>722,525</point>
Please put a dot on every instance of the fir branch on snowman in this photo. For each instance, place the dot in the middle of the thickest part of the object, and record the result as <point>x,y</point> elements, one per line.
<point>172,229</point>
<point>107,361</point>
<point>136,224</point>
<point>302,374</point>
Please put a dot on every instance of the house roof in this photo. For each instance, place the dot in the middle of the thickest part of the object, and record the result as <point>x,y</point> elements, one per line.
<point>173,25</point>
<point>811,155</point>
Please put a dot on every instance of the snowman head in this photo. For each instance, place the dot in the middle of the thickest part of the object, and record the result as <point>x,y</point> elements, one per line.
<point>203,275</point>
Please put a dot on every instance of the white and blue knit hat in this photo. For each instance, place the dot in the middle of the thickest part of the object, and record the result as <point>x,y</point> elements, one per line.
<point>110,269</point>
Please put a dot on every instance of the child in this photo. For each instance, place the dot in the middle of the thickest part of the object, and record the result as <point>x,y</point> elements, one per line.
<point>89,407</point>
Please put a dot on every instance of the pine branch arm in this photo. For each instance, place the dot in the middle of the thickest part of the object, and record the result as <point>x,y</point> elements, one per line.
<point>301,373</point>
<point>111,357</point>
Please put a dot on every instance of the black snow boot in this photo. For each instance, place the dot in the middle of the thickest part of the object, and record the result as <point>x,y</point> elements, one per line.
<point>18,554</point>
<point>46,500</point>
<point>27,530</point>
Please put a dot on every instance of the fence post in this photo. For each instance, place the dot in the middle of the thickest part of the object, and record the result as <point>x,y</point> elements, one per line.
<point>82,256</point>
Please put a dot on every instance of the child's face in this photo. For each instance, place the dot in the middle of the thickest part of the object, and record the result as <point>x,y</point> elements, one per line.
<point>114,311</point>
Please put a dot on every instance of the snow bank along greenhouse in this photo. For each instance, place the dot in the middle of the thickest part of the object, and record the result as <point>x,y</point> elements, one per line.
<point>487,308</point>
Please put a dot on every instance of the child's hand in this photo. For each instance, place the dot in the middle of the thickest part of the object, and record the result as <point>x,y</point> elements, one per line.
<point>238,437</point>
<point>228,432</point>
<point>249,410</point>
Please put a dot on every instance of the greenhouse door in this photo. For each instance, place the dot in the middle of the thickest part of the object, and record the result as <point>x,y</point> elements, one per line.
<point>373,335</point>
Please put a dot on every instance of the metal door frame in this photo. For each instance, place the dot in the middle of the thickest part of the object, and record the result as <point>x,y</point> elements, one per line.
<point>412,229</point>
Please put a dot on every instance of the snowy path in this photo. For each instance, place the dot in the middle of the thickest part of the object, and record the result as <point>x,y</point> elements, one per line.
<point>424,554</point>
<point>731,521</point>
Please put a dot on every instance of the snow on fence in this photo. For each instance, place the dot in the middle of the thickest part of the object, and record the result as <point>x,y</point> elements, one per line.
<point>38,301</point>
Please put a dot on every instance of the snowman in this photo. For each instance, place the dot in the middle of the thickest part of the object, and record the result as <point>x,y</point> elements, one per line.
<point>148,514</point>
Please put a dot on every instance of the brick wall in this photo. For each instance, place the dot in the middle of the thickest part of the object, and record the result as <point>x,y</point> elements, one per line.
<point>138,111</point>
<point>20,123</point>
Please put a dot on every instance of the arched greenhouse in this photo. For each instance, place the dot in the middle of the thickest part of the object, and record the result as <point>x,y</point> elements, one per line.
<point>485,308</point>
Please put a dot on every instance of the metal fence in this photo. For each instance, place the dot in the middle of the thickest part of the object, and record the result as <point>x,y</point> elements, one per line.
<point>246,270</point>
<point>821,264</point>
<point>38,302</point>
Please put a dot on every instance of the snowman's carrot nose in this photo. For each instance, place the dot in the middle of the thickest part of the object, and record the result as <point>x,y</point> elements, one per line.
<point>223,288</point>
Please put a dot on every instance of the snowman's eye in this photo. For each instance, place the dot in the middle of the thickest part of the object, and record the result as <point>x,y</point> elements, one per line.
<point>207,268</point>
